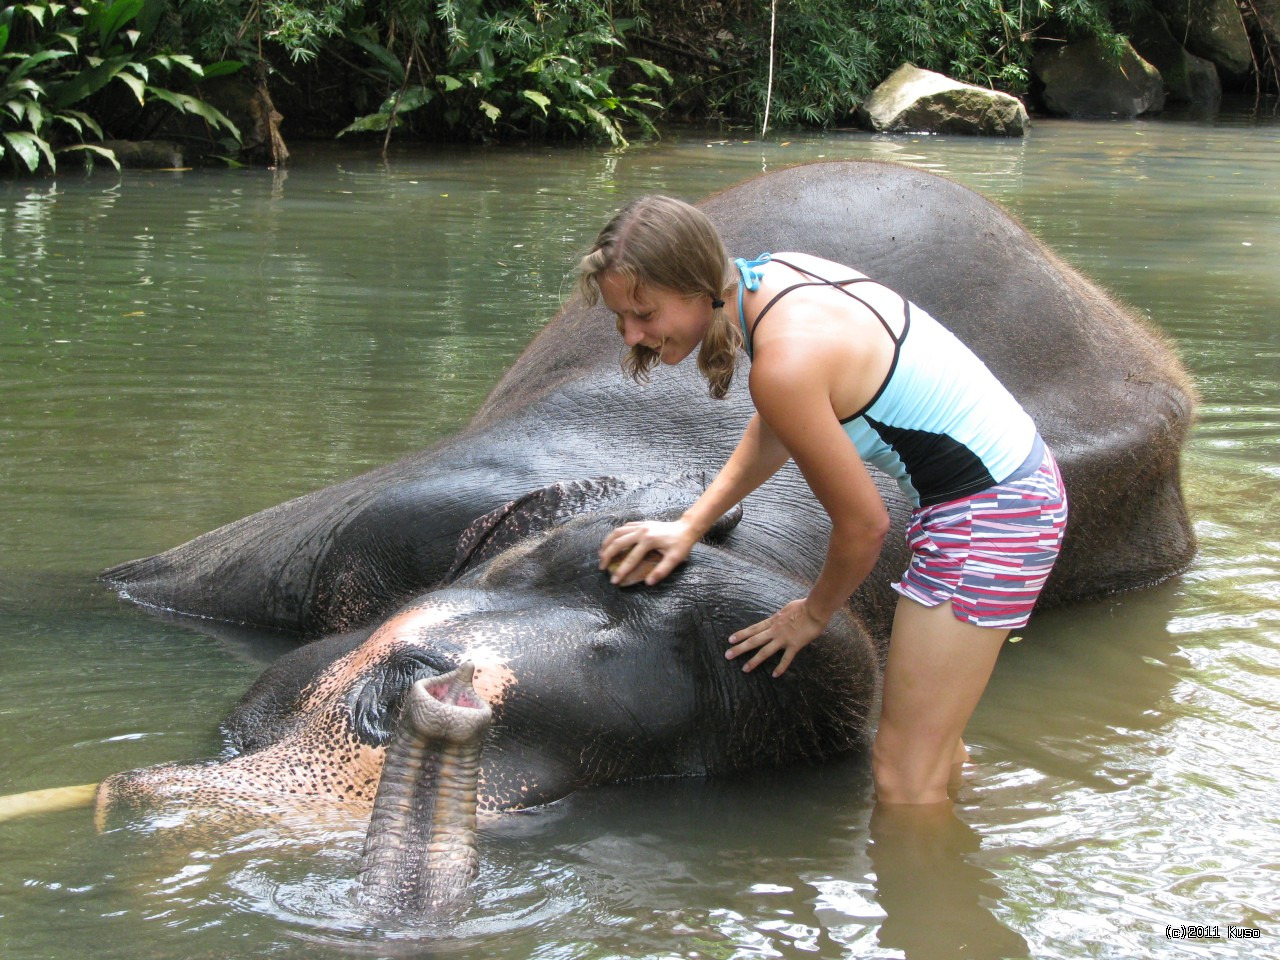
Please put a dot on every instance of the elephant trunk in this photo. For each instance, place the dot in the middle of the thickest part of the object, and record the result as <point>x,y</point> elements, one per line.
<point>420,853</point>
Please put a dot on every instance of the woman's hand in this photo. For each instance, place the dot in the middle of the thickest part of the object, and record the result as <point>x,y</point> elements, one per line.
<point>624,551</point>
<point>789,631</point>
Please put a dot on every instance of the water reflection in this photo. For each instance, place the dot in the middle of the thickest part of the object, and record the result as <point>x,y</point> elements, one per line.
<point>935,900</point>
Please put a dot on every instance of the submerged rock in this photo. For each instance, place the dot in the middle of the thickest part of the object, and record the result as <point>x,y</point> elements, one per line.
<point>146,154</point>
<point>912,100</point>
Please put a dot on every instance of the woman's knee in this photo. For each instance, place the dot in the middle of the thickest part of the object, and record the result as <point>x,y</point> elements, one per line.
<point>904,774</point>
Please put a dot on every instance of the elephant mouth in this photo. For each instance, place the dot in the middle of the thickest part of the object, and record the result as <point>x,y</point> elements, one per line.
<point>449,691</point>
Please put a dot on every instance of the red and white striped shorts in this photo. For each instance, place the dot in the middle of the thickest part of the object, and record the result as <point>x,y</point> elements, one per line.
<point>989,554</point>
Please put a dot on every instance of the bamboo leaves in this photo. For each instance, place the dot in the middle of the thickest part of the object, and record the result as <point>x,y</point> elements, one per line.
<point>70,54</point>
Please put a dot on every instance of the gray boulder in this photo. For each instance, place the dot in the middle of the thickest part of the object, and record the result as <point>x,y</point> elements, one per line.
<point>1211,29</point>
<point>1081,79</point>
<point>1187,78</point>
<point>912,100</point>
<point>1266,17</point>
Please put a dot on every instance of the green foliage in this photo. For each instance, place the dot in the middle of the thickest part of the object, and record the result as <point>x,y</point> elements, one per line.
<point>459,68</point>
<point>55,59</point>
<point>481,69</point>
<point>830,54</point>
<point>301,28</point>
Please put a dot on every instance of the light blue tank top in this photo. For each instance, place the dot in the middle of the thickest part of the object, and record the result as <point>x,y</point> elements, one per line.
<point>941,424</point>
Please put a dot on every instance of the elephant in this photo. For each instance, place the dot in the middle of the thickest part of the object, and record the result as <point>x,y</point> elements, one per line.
<point>481,549</point>
<point>635,678</point>
<point>587,684</point>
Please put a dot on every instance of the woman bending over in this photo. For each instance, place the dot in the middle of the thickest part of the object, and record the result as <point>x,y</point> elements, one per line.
<point>846,372</point>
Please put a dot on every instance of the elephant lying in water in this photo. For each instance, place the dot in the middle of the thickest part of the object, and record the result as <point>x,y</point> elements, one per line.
<point>587,684</point>
<point>399,578</point>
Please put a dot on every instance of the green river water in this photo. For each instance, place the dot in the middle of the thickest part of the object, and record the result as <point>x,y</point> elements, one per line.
<point>180,349</point>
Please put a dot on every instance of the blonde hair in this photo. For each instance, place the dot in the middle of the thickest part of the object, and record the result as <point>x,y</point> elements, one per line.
<point>663,242</point>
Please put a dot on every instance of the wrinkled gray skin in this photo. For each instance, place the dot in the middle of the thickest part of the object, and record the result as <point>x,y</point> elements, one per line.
<point>587,683</point>
<point>1107,393</point>
<point>420,851</point>
<point>400,579</point>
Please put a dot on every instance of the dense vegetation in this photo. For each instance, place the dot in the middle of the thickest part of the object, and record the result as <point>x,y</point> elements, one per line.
<point>72,75</point>
<point>829,54</point>
<point>61,67</point>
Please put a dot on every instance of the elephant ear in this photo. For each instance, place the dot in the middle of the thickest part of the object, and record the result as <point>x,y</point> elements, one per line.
<point>534,512</point>
<point>540,510</point>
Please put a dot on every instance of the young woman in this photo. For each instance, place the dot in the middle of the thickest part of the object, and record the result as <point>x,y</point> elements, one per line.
<point>844,370</point>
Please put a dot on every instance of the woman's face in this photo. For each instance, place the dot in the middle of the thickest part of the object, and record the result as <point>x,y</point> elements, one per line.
<point>656,317</point>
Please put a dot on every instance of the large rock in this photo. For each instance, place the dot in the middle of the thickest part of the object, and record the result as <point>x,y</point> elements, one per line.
<point>146,154</point>
<point>1081,79</point>
<point>1187,78</point>
<point>921,101</point>
<point>1266,16</point>
<point>1211,29</point>
<point>1268,12</point>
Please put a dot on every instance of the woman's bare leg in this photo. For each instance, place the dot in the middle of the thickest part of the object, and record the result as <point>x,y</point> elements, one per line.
<point>937,670</point>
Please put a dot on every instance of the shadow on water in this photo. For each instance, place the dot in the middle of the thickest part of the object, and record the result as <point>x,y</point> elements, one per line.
<point>1119,662</point>
<point>791,862</point>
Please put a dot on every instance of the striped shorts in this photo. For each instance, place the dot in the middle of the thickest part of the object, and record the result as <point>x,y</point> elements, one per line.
<point>989,554</point>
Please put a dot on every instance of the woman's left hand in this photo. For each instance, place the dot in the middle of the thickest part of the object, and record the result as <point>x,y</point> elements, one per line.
<point>789,631</point>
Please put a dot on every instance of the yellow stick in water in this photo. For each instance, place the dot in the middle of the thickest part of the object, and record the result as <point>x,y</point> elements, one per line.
<point>47,801</point>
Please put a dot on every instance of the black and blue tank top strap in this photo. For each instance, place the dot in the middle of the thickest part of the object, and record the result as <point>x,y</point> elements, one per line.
<point>749,271</point>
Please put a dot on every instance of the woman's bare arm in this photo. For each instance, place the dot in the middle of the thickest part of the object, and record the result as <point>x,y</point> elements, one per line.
<point>758,456</point>
<point>792,389</point>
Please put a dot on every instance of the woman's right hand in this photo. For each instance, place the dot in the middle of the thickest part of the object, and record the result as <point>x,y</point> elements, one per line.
<point>625,550</point>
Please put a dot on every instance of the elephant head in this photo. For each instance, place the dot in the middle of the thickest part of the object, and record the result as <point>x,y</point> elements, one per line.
<point>587,683</point>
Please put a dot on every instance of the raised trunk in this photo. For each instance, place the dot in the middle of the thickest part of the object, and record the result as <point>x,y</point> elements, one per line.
<point>419,854</point>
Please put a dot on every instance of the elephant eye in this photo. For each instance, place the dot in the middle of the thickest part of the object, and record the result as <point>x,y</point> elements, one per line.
<point>374,702</point>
